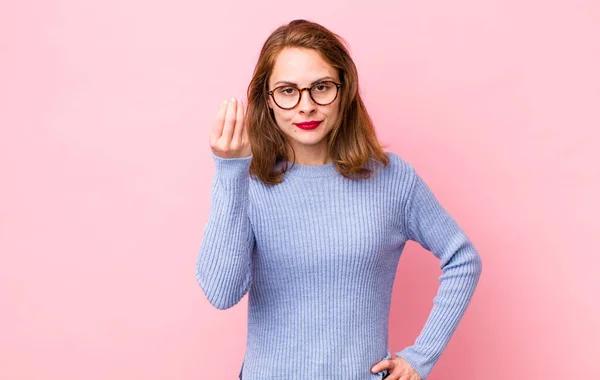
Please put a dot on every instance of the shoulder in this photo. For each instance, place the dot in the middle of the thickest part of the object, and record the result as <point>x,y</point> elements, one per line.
<point>399,168</point>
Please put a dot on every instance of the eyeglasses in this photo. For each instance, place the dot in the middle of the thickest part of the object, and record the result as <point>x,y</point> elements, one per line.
<point>288,96</point>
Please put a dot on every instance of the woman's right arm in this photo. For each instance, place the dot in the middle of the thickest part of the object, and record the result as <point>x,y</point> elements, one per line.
<point>224,265</point>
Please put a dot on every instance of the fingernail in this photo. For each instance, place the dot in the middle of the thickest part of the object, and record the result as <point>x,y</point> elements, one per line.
<point>232,99</point>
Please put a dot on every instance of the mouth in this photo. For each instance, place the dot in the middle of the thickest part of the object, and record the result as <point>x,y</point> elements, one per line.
<point>308,125</point>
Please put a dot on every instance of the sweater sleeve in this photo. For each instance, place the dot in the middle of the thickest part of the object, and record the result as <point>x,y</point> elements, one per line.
<point>224,265</point>
<point>429,224</point>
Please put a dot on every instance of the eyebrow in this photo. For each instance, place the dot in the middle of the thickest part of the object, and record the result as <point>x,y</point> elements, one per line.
<point>295,84</point>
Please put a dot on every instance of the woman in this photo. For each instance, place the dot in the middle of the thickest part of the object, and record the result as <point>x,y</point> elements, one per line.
<point>310,216</point>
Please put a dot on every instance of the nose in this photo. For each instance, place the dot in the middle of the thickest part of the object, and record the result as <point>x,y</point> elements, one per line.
<point>306,104</point>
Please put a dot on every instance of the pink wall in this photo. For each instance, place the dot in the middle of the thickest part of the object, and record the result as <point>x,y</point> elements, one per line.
<point>105,110</point>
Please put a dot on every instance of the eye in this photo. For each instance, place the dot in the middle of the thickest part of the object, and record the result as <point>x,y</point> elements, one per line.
<point>320,87</point>
<point>287,90</point>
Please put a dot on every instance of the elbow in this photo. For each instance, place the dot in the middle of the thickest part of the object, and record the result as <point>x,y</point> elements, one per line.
<point>220,297</point>
<point>218,300</point>
<point>475,264</point>
<point>472,258</point>
<point>222,304</point>
<point>478,263</point>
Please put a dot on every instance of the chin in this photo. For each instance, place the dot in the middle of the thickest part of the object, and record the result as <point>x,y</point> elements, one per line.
<point>309,141</point>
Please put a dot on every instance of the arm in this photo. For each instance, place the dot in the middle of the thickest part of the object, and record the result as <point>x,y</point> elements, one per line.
<point>224,265</point>
<point>429,224</point>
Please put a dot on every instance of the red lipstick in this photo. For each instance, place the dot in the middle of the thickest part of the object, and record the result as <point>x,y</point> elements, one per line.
<point>308,124</point>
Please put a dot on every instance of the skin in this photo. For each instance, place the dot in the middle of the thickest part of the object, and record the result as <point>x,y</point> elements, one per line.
<point>398,369</point>
<point>229,135</point>
<point>302,67</point>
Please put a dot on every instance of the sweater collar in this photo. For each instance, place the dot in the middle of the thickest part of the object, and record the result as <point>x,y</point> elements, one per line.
<point>316,171</point>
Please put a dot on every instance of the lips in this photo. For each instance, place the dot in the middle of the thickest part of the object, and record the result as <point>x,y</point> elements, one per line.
<point>308,124</point>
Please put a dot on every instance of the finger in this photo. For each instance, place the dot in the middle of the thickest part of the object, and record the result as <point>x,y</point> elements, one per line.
<point>217,128</point>
<point>239,121</point>
<point>229,121</point>
<point>380,366</point>
<point>245,124</point>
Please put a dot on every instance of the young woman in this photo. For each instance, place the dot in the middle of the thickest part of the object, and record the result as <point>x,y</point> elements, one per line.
<point>309,216</point>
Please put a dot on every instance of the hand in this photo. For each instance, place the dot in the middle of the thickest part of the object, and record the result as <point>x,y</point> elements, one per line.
<point>398,369</point>
<point>229,135</point>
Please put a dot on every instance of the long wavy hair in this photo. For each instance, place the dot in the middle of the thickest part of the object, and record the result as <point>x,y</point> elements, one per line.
<point>352,143</point>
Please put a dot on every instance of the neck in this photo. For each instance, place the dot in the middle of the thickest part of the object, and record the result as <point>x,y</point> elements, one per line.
<point>311,156</point>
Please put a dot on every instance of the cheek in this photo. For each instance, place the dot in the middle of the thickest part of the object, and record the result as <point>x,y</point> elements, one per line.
<point>281,118</point>
<point>332,113</point>
<point>283,115</point>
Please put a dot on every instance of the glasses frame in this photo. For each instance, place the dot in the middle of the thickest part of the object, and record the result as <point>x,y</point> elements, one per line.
<point>301,90</point>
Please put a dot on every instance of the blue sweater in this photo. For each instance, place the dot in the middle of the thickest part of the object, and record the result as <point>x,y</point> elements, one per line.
<point>317,255</point>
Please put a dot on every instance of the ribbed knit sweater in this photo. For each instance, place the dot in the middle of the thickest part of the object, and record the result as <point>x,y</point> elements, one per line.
<point>317,255</point>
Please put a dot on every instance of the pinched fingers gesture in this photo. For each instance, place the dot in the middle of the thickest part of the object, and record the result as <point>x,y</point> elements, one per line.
<point>229,135</point>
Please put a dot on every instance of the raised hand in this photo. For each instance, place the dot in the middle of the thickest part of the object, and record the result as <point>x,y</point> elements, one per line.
<point>229,135</point>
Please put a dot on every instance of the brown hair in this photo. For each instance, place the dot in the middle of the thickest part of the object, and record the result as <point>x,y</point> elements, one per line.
<point>352,143</point>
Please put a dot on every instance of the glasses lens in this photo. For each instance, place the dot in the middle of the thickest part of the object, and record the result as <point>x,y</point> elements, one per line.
<point>324,92</point>
<point>286,97</point>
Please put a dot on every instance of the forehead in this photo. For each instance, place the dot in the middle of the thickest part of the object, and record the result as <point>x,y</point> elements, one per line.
<point>300,66</point>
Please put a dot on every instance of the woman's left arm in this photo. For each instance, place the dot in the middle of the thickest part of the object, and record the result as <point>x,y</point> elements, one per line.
<point>429,224</point>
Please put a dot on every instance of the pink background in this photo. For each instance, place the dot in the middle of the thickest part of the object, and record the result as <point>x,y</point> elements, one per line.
<point>105,110</point>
